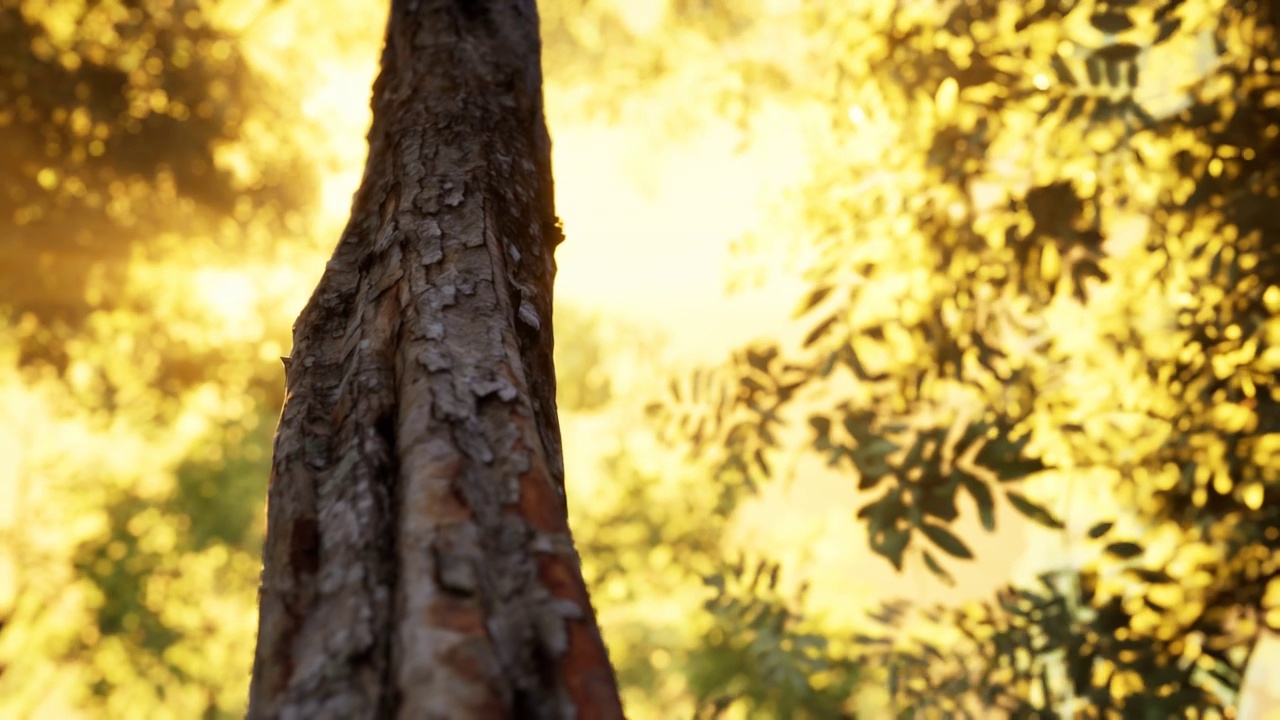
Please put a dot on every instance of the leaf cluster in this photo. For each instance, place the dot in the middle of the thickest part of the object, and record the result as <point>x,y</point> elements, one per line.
<point>1041,271</point>
<point>761,655</point>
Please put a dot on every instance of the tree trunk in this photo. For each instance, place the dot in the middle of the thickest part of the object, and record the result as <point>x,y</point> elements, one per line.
<point>418,561</point>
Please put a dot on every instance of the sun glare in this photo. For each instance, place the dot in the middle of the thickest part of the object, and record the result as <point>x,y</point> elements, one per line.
<point>648,224</point>
<point>721,179</point>
<point>228,294</point>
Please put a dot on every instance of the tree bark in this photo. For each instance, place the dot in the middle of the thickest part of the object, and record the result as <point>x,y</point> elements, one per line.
<point>418,561</point>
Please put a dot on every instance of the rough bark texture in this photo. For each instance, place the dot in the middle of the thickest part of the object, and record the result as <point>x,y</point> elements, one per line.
<point>418,561</point>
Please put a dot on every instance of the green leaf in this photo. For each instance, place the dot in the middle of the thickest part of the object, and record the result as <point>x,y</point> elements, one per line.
<point>940,501</point>
<point>820,425</point>
<point>1124,550</point>
<point>814,298</point>
<point>762,463</point>
<point>1033,511</point>
<point>1065,76</point>
<point>916,454</point>
<point>982,498</point>
<point>1093,65</point>
<point>1166,9</point>
<point>883,514</point>
<point>786,391</point>
<point>1113,74</point>
<point>828,364</point>
<point>752,385</point>
<point>759,359</point>
<point>872,473</point>
<point>1078,102</point>
<point>858,424</point>
<point>1004,457</point>
<point>1100,529</point>
<point>855,365</point>
<point>946,540</point>
<point>1154,577</point>
<point>877,448</point>
<point>818,331</point>
<point>1167,29</point>
<point>892,546</point>
<point>937,569</point>
<point>864,639</point>
<point>1112,21</point>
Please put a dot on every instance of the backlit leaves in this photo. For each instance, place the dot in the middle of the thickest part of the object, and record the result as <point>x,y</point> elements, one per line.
<point>148,177</point>
<point>1100,529</point>
<point>1124,550</point>
<point>114,119</point>
<point>764,654</point>
<point>1032,511</point>
<point>947,541</point>
<point>1061,259</point>
<point>1039,652</point>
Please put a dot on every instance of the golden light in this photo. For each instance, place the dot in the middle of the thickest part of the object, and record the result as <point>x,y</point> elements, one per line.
<point>652,207</point>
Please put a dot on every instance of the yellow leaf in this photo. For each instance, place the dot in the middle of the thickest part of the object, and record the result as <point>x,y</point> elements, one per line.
<point>1252,495</point>
<point>945,101</point>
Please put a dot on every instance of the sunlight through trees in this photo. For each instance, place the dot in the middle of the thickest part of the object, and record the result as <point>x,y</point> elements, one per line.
<point>1014,451</point>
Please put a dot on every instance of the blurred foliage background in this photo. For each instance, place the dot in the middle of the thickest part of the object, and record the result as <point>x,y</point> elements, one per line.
<point>1014,454</point>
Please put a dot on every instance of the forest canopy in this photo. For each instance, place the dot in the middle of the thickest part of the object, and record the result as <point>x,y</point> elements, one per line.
<point>1031,249</point>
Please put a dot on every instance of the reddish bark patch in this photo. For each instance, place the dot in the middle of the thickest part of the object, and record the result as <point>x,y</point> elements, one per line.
<point>461,615</point>
<point>539,504</point>
<point>588,674</point>
<point>586,671</point>
<point>439,500</point>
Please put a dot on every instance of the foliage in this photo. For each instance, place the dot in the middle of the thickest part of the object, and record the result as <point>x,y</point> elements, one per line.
<point>145,194</point>
<point>124,123</point>
<point>159,187</point>
<point>1051,649</point>
<point>610,59</point>
<point>583,385</point>
<point>985,311</point>
<point>658,560</point>
<point>763,656</point>
<point>1040,257</point>
<point>123,592</point>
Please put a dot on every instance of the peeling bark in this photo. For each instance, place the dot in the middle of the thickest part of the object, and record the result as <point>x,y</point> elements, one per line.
<point>418,561</point>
